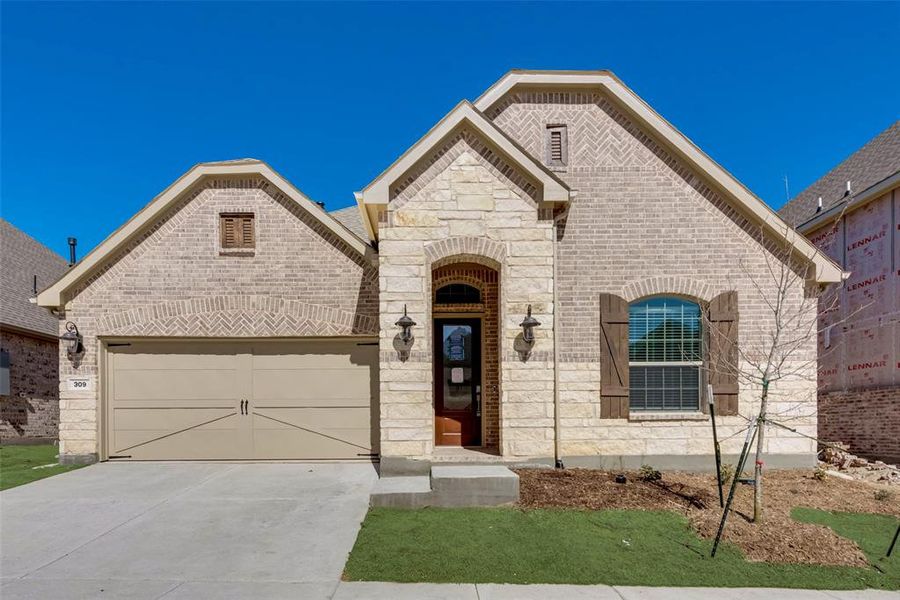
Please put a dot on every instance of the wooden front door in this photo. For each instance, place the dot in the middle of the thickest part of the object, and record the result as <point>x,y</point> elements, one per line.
<point>457,382</point>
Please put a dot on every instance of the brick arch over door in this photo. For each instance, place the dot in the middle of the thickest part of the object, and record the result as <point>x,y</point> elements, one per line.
<point>677,286</point>
<point>236,316</point>
<point>466,249</point>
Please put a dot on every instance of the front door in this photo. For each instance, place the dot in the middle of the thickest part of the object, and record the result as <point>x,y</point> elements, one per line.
<point>457,382</point>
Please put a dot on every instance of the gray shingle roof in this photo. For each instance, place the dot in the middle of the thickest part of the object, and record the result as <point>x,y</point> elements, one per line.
<point>351,219</point>
<point>874,162</point>
<point>21,258</point>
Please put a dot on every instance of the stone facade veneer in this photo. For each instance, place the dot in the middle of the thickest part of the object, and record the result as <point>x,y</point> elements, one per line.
<point>464,208</point>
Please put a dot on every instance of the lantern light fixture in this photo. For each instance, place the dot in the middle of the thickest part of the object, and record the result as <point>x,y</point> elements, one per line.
<point>72,340</point>
<point>405,323</point>
<point>528,326</point>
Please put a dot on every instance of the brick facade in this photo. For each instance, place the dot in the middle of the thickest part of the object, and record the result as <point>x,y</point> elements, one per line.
<point>174,280</point>
<point>642,223</point>
<point>639,223</point>
<point>31,411</point>
<point>866,420</point>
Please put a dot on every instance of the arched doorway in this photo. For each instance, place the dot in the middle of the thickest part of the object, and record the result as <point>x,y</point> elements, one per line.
<point>465,311</point>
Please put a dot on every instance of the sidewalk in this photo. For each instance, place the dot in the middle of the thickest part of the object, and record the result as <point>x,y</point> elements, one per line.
<point>489,591</point>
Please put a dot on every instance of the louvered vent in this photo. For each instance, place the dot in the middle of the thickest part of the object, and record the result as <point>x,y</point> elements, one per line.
<point>556,144</point>
<point>237,230</point>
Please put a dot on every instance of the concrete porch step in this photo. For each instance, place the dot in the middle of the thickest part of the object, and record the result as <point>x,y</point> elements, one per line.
<point>402,492</point>
<point>449,486</point>
<point>474,485</point>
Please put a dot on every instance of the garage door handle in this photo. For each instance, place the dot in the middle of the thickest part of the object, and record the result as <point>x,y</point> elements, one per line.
<point>244,407</point>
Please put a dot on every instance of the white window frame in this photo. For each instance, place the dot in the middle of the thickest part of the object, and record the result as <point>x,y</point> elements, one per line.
<point>699,364</point>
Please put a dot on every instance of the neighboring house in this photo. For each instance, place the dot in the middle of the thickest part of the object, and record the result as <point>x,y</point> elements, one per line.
<point>234,318</point>
<point>29,350</point>
<point>853,215</point>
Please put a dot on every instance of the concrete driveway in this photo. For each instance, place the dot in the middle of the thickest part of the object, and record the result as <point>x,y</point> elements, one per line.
<point>183,530</point>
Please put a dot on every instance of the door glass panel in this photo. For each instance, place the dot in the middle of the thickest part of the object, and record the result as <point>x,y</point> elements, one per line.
<point>457,367</point>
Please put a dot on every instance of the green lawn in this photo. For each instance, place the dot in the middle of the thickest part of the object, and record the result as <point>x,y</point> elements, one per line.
<point>616,547</point>
<point>17,464</point>
<point>872,533</point>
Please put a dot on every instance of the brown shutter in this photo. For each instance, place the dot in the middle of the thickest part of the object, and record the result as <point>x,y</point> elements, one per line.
<point>247,240</point>
<point>613,357</point>
<point>229,231</point>
<point>723,352</point>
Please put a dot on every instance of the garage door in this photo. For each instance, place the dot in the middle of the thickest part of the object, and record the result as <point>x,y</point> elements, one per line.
<point>310,399</point>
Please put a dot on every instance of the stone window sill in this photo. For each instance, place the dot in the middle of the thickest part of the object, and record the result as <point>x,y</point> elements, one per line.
<point>667,416</point>
<point>237,253</point>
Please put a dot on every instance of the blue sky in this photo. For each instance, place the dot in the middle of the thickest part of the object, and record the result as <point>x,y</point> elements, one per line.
<point>104,105</point>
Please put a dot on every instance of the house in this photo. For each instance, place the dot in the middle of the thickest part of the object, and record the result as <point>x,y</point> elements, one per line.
<point>853,215</point>
<point>530,281</point>
<point>29,350</point>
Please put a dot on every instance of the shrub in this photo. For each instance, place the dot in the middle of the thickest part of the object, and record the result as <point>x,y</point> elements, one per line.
<point>648,473</point>
<point>883,495</point>
<point>726,472</point>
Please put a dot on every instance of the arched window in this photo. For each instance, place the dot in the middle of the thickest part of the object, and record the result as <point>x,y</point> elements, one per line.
<point>457,293</point>
<point>665,353</point>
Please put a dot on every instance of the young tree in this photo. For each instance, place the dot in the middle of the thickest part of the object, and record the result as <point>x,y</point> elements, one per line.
<point>782,350</point>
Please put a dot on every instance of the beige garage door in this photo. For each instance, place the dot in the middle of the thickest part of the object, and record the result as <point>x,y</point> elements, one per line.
<point>309,399</point>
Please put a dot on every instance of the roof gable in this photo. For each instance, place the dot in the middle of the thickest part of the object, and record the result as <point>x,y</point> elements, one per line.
<point>26,261</point>
<point>378,192</point>
<point>732,190</point>
<point>147,216</point>
<point>875,162</point>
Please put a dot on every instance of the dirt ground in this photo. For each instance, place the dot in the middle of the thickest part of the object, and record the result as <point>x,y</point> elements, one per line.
<point>778,539</point>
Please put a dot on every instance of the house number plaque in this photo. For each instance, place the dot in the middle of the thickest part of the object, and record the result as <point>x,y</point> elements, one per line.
<point>78,384</point>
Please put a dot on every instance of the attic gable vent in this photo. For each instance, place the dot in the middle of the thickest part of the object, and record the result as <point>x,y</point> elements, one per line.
<point>236,230</point>
<point>556,144</point>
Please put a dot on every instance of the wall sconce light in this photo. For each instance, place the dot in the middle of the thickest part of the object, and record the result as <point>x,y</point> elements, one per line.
<point>405,323</point>
<point>528,326</point>
<point>72,339</point>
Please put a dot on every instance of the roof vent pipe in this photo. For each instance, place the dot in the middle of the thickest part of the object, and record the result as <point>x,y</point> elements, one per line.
<point>847,192</point>
<point>819,205</point>
<point>72,243</point>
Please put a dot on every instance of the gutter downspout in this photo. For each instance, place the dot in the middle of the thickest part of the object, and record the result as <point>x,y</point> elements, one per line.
<point>557,454</point>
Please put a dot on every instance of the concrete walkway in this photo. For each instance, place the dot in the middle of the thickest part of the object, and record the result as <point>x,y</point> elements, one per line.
<point>481,591</point>
<point>182,530</point>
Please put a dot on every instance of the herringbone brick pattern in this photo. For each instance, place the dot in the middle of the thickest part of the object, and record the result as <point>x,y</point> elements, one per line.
<point>174,280</point>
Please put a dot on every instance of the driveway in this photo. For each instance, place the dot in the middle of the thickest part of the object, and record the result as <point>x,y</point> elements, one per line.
<point>183,530</point>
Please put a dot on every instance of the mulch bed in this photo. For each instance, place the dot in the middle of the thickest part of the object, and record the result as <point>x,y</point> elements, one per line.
<point>778,539</point>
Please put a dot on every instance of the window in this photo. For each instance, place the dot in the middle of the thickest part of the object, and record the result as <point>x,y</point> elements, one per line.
<point>556,143</point>
<point>4,373</point>
<point>457,293</point>
<point>236,231</point>
<point>665,353</point>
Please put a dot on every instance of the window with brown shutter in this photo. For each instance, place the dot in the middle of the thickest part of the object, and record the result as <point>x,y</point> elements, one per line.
<point>236,231</point>
<point>556,146</point>
<point>665,355</point>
